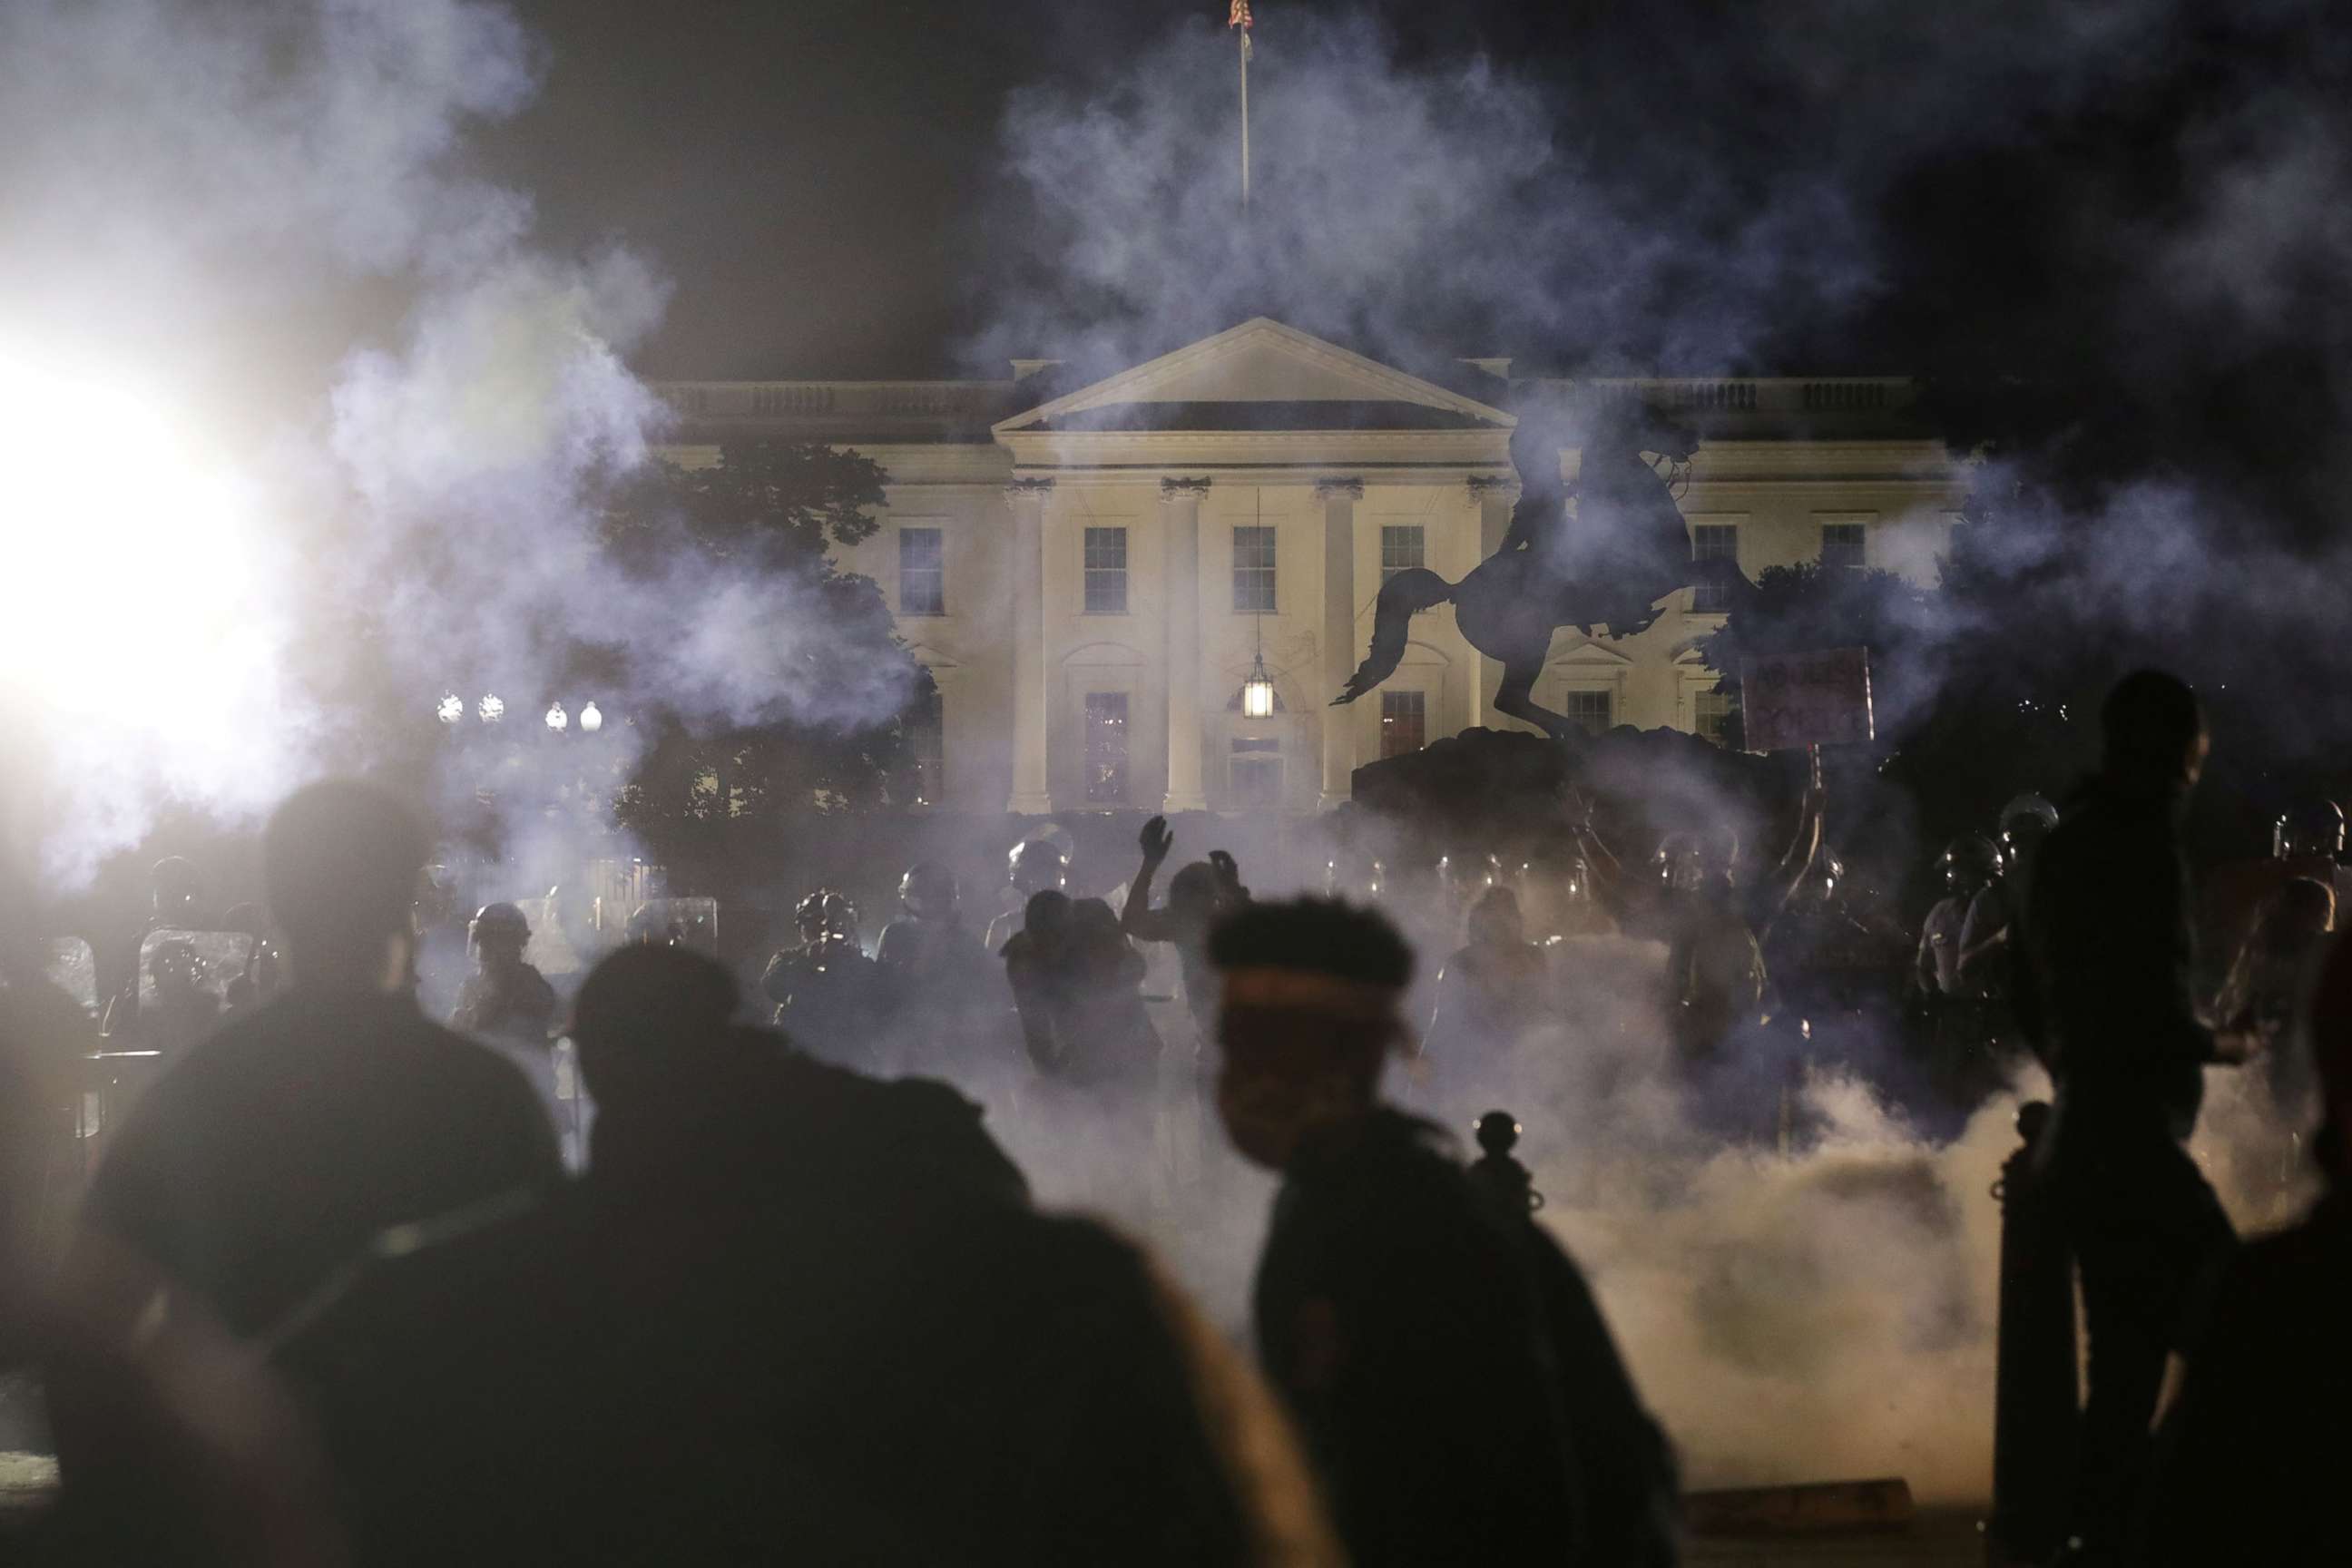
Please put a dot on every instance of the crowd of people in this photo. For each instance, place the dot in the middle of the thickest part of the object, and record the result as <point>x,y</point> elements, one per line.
<point>349,1284</point>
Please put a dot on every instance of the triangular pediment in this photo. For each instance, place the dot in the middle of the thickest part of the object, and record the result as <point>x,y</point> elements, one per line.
<point>1260,376</point>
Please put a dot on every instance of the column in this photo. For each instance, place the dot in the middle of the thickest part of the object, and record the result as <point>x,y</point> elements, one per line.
<point>1339,640</point>
<point>1180,525</point>
<point>1030,797</point>
<point>1492,495</point>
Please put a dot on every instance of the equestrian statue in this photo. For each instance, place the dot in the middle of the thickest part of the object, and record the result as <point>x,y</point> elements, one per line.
<point>1610,565</point>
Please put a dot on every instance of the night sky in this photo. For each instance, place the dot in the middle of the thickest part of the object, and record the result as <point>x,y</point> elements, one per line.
<point>823,182</point>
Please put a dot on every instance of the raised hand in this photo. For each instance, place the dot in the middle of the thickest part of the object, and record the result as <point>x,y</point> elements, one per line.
<point>1156,840</point>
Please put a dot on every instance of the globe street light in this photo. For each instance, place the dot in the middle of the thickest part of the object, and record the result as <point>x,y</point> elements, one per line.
<point>557,720</point>
<point>591,719</point>
<point>492,708</point>
<point>450,708</point>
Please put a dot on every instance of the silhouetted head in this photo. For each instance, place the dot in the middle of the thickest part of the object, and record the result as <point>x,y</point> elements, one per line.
<point>643,1008</point>
<point>1196,892</point>
<point>1312,995</point>
<point>338,864</point>
<point>2153,729</point>
<point>929,892</point>
<point>1495,920</point>
<point>1046,916</point>
<point>498,935</point>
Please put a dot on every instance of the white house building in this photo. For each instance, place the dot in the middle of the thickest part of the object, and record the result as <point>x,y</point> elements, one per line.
<point>1089,576</point>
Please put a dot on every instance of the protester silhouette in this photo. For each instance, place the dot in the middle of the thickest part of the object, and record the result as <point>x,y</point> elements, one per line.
<point>1199,896</point>
<point>2107,926</point>
<point>274,1150</point>
<point>1458,1390</point>
<point>790,1309</point>
<point>2252,1455</point>
<point>1076,981</point>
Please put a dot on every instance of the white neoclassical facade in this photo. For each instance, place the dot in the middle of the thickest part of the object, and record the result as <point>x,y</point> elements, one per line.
<point>1091,576</point>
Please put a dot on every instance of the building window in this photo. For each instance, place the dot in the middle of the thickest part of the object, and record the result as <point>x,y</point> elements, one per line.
<point>927,753</point>
<point>1404,722</point>
<point>1105,571</point>
<point>1400,550</point>
<point>1252,570</point>
<point>1714,541</point>
<point>1711,716</point>
<point>922,572</point>
<point>1842,544</point>
<point>1256,774</point>
<point>1107,746</point>
<point>1593,711</point>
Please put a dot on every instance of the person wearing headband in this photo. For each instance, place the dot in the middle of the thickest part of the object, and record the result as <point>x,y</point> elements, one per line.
<point>1435,1350</point>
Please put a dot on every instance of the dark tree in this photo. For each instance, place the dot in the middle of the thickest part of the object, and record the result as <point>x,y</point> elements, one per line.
<point>771,511</point>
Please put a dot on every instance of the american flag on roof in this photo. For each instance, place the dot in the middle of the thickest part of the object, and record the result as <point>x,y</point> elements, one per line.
<point>1240,17</point>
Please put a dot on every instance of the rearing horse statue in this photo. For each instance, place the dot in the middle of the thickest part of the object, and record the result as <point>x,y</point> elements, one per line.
<point>1626,549</point>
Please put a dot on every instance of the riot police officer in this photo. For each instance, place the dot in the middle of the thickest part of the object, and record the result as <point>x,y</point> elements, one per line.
<point>828,994</point>
<point>1035,866</point>
<point>1970,866</point>
<point>504,996</point>
<point>1991,953</point>
<point>942,987</point>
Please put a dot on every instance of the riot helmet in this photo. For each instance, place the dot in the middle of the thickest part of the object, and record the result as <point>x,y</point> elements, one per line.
<point>826,916</point>
<point>1037,866</point>
<point>176,889</point>
<point>929,893</point>
<point>2313,830</point>
<point>1970,863</point>
<point>2025,822</point>
<point>1496,920</point>
<point>500,932</point>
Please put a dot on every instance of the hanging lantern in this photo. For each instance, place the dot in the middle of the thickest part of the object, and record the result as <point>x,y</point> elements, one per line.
<point>591,719</point>
<point>1257,691</point>
<point>557,719</point>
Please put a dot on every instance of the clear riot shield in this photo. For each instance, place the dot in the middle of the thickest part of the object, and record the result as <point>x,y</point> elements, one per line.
<point>73,969</point>
<point>176,966</point>
<point>682,922</point>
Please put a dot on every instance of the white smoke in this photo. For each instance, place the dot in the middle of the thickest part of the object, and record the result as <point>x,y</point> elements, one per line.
<point>267,219</point>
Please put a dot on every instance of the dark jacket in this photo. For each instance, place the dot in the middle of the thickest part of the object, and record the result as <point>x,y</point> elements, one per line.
<point>271,1152</point>
<point>2107,924</point>
<point>800,1315</point>
<point>1455,1385</point>
<point>2252,1457</point>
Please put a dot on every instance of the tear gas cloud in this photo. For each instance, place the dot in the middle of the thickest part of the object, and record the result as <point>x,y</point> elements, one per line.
<point>417,513</point>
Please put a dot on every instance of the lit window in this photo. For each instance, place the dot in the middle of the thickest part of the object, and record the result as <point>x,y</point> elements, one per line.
<point>1711,716</point>
<point>1404,722</point>
<point>1252,570</point>
<point>1714,541</point>
<point>1107,746</point>
<point>922,572</point>
<point>1105,571</point>
<point>1842,544</point>
<point>1592,711</point>
<point>926,748</point>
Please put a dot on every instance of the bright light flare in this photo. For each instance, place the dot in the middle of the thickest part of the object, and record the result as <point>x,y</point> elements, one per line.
<point>132,553</point>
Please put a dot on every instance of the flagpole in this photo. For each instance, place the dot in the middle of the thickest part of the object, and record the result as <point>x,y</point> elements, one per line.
<point>1243,30</point>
